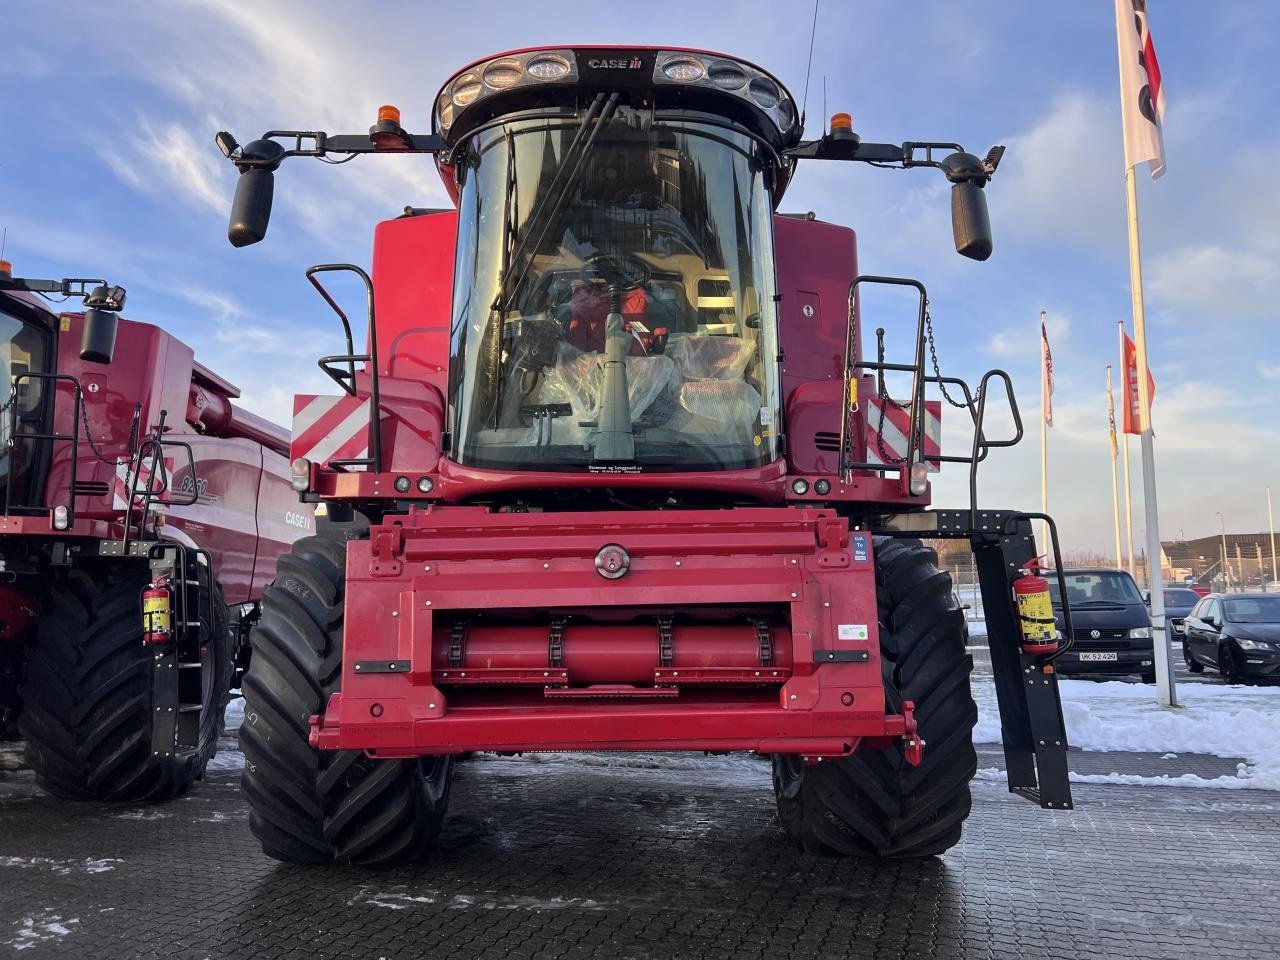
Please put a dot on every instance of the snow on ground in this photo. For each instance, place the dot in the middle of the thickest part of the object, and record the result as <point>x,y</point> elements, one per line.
<point>34,930</point>
<point>235,712</point>
<point>62,867</point>
<point>1224,721</point>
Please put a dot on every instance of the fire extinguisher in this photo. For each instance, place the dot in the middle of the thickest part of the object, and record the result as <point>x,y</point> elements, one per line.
<point>157,622</point>
<point>1036,622</point>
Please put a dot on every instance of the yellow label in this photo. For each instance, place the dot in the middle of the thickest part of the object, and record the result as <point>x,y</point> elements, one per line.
<point>64,323</point>
<point>155,615</point>
<point>1035,610</point>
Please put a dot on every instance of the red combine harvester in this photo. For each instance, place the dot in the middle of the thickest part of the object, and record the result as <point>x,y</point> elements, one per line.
<point>630,481</point>
<point>143,514</point>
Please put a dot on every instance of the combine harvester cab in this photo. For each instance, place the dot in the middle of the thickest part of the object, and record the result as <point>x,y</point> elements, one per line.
<point>143,512</point>
<point>630,482</point>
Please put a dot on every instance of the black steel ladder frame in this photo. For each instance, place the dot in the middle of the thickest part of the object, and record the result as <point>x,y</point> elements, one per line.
<point>1032,728</point>
<point>177,668</point>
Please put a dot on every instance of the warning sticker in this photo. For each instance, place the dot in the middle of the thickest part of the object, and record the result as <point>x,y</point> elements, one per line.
<point>852,631</point>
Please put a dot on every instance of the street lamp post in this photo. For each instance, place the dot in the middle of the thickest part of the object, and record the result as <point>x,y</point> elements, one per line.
<point>1226,567</point>
<point>1271,529</point>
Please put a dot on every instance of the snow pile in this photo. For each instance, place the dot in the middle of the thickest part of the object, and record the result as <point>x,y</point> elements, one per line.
<point>1224,721</point>
<point>234,716</point>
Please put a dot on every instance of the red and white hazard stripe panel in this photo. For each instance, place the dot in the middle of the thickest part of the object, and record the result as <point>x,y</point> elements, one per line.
<point>121,480</point>
<point>330,428</point>
<point>896,425</point>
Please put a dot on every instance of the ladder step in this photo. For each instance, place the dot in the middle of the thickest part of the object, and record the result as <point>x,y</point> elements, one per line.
<point>190,708</point>
<point>195,665</point>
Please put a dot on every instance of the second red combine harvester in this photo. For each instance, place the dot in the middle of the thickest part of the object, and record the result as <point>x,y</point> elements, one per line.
<point>143,511</point>
<point>630,481</point>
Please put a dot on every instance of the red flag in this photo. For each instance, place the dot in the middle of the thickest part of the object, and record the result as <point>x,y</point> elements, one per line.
<point>1141,91</point>
<point>1132,406</point>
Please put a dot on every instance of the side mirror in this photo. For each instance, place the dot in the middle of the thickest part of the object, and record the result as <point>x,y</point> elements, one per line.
<point>251,208</point>
<point>970,221</point>
<point>98,338</point>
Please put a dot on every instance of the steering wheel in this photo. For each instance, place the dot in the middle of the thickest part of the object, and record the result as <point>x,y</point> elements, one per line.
<point>618,271</point>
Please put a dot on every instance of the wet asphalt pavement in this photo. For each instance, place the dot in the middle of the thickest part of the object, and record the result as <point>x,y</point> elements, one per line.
<point>620,857</point>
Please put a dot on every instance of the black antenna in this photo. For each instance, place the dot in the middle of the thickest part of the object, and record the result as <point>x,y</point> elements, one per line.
<point>4,238</point>
<point>809,67</point>
<point>824,104</point>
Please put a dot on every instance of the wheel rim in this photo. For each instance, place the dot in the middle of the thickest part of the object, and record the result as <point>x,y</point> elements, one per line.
<point>1226,664</point>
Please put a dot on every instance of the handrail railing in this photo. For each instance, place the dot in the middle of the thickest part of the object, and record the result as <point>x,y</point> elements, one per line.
<point>346,378</point>
<point>155,445</point>
<point>976,404</point>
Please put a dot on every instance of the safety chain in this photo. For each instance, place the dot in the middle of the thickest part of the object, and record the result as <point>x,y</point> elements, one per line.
<point>937,372</point>
<point>933,353</point>
<point>93,447</point>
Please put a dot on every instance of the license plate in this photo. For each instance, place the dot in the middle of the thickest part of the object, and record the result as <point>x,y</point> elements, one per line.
<point>1098,657</point>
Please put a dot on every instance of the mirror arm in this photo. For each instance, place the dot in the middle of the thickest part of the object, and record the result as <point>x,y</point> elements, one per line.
<point>845,145</point>
<point>317,143</point>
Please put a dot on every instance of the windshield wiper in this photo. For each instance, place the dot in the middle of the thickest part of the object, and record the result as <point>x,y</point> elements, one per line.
<point>1097,604</point>
<point>567,176</point>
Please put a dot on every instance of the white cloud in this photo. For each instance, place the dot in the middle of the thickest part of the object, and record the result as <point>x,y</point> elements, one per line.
<point>1270,371</point>
<point>1061,179</point>
<point>1215,282</point>
<point>1025,342</point>
<point>171,158</point>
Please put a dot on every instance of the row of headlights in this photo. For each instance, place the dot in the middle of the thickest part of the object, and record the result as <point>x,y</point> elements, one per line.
<point>561,66</point>
<point>545,66</point>
<point>732,77</point>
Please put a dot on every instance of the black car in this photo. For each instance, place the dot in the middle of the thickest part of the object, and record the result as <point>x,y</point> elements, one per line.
<point>1111,622</point>
<point>1178,602</point>
<point>1239,633</point>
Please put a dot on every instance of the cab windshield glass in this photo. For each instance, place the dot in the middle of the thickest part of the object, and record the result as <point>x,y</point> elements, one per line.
<point>613,304</point>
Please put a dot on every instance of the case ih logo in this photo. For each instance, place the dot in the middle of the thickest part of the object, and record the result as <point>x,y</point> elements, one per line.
<point>622,64</point>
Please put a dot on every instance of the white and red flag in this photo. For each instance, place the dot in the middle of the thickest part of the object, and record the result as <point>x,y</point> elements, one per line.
<point>1046,376</point>
<point>1141,92</point>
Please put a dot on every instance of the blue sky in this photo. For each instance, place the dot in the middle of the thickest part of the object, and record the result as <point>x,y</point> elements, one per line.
<point>107,167</point>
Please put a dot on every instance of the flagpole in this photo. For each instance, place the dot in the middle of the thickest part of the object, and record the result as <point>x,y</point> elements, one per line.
<point>1128,484</point>
<point>1115,494</point>
<point>1044,437</point>
<point>1155,576</point>
<point>1140,52</point>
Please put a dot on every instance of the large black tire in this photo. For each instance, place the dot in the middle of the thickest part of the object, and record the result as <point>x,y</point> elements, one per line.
<point>87,692</point>
<point>307,805</point>
<point>873,804</point>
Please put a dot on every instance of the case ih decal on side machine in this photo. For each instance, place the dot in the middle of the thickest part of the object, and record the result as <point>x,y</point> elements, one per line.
<point>624,469</point>
<point>143,513</point>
